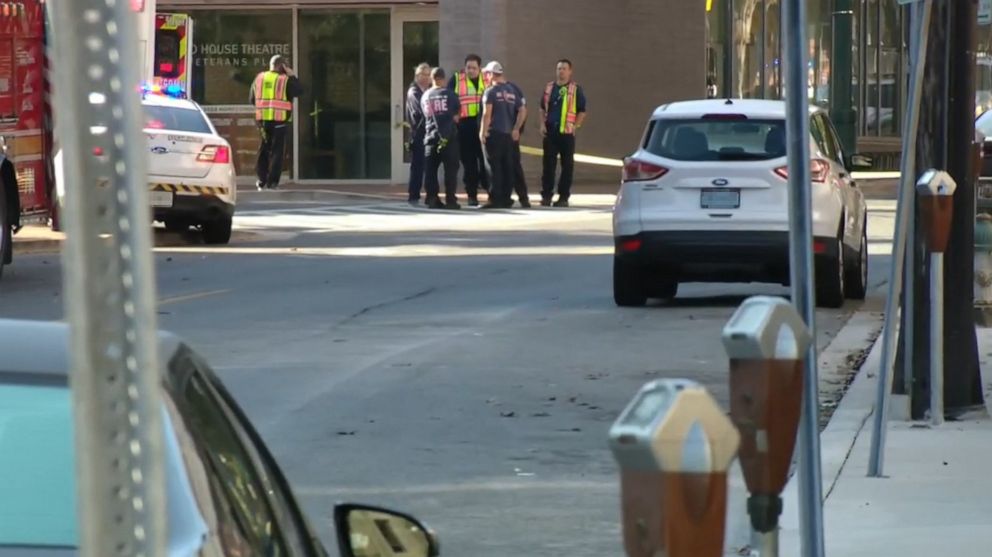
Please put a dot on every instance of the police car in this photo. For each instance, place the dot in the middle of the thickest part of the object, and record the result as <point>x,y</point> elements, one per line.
<point>705,199</point>
<point>191,170</point>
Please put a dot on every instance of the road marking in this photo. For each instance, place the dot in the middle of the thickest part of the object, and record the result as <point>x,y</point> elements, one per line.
<point>193,296</point>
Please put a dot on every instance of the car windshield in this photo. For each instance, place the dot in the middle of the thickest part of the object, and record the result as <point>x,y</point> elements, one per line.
<point>37,470</point>
<point>175,119</point>
<point>701,139</point>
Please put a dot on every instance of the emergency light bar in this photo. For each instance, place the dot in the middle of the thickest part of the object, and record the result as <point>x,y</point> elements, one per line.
<point>173,90</point>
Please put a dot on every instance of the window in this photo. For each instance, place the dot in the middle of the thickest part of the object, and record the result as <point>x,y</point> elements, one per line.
<point>8,106</point>
<point>821,134</point>
<point>717,140</point>
<point>175,119</point>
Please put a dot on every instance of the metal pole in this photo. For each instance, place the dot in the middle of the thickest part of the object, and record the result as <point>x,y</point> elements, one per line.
<point>937,338</point>
<point>801,269</point>
<point>728,49</point>
<point>909,311</point>
<point>906,203</point>
<point>109,279</point>
<point>767,543</point>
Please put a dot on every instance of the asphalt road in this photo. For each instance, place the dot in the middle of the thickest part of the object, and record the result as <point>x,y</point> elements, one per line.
<point>461,366</point>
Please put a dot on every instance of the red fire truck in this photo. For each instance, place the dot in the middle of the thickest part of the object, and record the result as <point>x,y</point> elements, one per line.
<point>29,171</point>
<point>26,184</point>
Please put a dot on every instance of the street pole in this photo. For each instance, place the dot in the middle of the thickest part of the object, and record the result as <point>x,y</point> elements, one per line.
<point>906,203</point>
<point>937,338</point>
<point>801,269</point>
<point>728,49</point>
<point>109,281</point>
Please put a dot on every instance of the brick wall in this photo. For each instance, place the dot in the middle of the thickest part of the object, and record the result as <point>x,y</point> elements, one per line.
<point>630,56</point>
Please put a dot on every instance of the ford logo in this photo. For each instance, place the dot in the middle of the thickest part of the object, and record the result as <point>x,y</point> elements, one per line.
<point>720,182</point>
<point>159,150</point>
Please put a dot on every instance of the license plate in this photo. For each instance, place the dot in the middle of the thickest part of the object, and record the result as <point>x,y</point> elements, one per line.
<point>720,199</point>
<point>161,198</point>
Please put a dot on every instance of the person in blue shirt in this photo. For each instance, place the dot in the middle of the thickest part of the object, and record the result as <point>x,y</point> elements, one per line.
<point>415,120</point>
<point>503,116</point>
<point>441,114</point>
<point>563,110</point>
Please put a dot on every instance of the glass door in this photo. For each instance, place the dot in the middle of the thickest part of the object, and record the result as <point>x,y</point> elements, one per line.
<point>345,110</point>
<point>414,40</point>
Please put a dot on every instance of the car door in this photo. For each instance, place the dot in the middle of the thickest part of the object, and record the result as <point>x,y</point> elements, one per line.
<point>840,177</point>
<point>250,512</point>
<point>856,207</point>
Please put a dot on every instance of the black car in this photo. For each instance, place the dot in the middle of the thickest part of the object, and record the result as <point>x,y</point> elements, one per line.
<point>225,492</point>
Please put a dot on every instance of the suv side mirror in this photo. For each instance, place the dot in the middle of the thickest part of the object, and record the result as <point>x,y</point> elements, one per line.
<point>860,162</point>
<point>366,531</point>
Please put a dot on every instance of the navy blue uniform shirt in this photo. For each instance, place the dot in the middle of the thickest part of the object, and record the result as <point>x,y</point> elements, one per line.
<point>506,101</point>
<point>415,112</point>
<point>440,106</point>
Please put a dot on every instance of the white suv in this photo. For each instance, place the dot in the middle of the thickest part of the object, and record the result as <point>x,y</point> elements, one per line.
<point>705,199</point>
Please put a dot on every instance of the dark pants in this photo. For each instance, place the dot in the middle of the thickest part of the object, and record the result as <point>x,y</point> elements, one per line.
<point>499,147</point>
<point>448,158</point>
<point>473,161</point>
<point>555,145</point>
<point>418,156</point>
<point>519,180</point>
<point>271,151</point>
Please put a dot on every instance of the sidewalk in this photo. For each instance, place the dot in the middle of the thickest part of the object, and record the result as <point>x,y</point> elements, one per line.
<point>936,498</point>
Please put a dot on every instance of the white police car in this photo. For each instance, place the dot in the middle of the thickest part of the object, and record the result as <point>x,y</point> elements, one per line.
<point>191,170</point>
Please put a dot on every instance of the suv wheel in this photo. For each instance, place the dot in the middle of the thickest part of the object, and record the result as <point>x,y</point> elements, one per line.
<point>664,287</point>
<point>628,285</point>
<point>856,284</point>
<point>830,279</point>
<point>218,231</point>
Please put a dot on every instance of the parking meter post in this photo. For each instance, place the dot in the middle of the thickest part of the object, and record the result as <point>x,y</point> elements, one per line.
<point>109,281</point>
<point>674,445</point>
<point>765,340</point>
<point>936,196</point>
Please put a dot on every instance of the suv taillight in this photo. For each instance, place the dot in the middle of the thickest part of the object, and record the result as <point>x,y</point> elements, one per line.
<point>218,154</point>
<point>635,170</point>
<point>819,169</point>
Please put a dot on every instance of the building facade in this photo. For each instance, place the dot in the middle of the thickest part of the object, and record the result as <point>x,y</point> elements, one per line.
<point>356,60</point>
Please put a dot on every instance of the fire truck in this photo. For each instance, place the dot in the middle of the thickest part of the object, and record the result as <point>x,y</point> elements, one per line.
<point>31,180</point>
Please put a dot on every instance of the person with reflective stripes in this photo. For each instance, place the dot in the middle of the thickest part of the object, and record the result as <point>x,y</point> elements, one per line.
<point>272,94</point>
<point>469,86</point>
<point>563,109</point>
<point>441,110</point>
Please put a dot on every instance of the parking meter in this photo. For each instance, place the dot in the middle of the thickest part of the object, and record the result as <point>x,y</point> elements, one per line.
<point>935,190</point>
<point>674,445</point>
<point>766,340</point>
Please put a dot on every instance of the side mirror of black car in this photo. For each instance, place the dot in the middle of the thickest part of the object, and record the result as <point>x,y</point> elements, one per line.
<point>366,531</point>
<point>860,162</point>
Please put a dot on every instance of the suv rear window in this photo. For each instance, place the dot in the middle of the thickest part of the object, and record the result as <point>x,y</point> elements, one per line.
<point>175,119</point>
<point>716,140</point>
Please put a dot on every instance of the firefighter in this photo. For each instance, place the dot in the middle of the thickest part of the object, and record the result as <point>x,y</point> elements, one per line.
<point>503,116</point>
<point>441,109</point>
<point>519,178</point>
<point>563,109</point>
<point>415,119</point>
<point>272,93</point>
<point>469,86</point>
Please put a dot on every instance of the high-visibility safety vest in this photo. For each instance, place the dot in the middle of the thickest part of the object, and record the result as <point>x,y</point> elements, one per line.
<point>271,102</point>
<point>569,105</point>
<point>469,97</point>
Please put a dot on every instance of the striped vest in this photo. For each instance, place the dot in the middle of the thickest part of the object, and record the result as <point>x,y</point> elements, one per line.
<point>271,102</point>
<point>569,106</point>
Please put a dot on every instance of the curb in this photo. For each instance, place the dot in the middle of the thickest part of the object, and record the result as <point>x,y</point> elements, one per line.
<point>309,195</point>
<point>836,444</point>
<point>162,240</point>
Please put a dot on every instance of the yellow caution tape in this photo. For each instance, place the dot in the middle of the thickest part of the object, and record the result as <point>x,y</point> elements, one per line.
<point>182,188</point>
<point>586,159</point>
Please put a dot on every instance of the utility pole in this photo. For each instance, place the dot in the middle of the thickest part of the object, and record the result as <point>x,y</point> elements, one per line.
<point>963,384</point>
<point>946,140</point>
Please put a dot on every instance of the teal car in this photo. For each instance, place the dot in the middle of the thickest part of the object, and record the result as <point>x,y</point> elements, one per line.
<point>225,493</point>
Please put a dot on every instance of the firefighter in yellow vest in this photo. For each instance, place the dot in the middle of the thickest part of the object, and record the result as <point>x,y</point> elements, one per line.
<point>563,109</point>
<point>272,94</point>
<point>469,86</point>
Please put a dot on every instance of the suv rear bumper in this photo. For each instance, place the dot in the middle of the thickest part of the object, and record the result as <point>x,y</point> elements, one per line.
<point>195,209</point>
<point>717,256</point>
